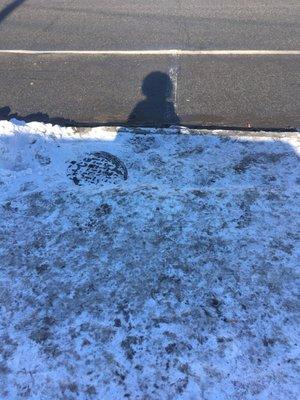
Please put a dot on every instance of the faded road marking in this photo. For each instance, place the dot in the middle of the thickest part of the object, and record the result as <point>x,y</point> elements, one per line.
<point>159,52</point>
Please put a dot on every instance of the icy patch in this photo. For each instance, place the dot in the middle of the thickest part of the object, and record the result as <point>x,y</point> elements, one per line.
<point>160,264</point>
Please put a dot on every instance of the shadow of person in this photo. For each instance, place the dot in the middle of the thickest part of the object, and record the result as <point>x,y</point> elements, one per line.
<point>157,109</point>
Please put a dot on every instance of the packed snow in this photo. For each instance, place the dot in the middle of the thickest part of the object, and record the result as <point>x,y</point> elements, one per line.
<point>148,264</point>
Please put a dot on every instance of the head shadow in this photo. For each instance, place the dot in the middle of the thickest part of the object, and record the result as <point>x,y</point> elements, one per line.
<point>157,109</point>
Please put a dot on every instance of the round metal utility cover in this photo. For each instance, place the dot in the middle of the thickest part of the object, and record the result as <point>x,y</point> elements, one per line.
<point>97,168</point>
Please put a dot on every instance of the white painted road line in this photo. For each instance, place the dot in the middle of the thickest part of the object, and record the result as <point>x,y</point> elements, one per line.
<point>173,52</point>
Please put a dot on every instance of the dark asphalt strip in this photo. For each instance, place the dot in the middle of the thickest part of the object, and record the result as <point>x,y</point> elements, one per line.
<point>223,91</point>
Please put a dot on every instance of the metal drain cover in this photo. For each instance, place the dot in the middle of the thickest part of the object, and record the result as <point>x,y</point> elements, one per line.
<point>97,168</point>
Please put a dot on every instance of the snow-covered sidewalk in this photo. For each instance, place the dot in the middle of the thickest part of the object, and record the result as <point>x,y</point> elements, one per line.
<point>147,264</point>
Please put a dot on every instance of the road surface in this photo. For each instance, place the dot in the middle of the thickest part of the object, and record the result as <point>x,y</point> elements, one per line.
<point>207,89</point>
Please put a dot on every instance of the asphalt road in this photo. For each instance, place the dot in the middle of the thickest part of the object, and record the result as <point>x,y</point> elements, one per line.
<point>261,91</point>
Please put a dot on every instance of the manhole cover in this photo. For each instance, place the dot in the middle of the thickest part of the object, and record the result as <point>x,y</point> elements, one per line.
<point>97,168</point>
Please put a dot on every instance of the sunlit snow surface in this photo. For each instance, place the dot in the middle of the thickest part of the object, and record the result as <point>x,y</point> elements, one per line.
<point>166,269</point>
